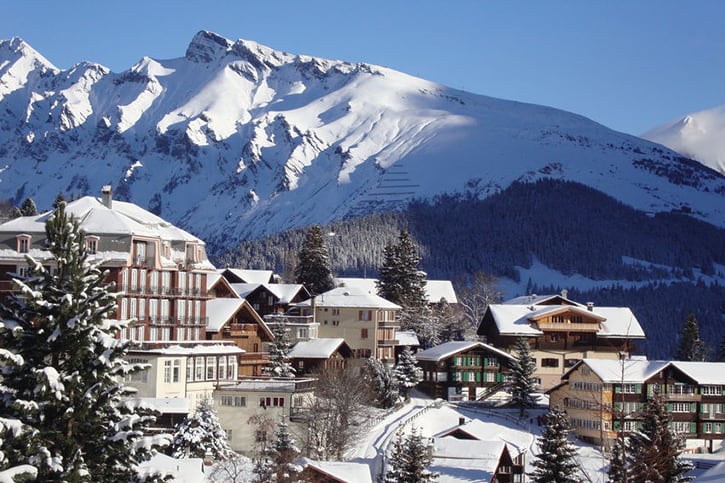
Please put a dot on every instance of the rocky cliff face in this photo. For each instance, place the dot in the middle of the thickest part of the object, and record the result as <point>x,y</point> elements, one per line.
<point>236,140</point>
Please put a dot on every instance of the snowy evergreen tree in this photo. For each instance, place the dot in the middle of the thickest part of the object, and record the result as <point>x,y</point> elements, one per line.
<point>691,347</point>
<point>283,455</point>
<point>556,461</point>
<point>617,472</point>
<point>389,284</point>
<point>399,279</point>
<point>200,435</point>
<point>384,383</point>
<point>407,373</point>
<point>28,207</point>
<point>62,369</point>
<point>313,270</point>
<point>653,452</point>
<point>522,375</point>
<point>409,460</point>
<point>279,349</point>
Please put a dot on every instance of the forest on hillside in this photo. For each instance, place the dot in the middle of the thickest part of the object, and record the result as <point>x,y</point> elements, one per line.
<point>565,225</point>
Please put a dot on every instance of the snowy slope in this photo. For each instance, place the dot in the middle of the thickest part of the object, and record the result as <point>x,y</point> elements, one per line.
<point>700,135</point>
<point>237,140</point>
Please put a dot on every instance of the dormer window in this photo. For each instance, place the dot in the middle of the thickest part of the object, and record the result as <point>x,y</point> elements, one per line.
<point>167,250</point>
<point>191,253</point>
<point>23,243</point>
<point>92,245</point>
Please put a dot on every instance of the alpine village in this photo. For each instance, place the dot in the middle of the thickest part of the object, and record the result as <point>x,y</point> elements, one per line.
<point>130,352</point>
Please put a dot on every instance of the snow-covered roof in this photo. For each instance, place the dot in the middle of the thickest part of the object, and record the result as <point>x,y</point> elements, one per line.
<point>197,348</point>
<point>220,310</point>
<point>244,289</point>
<point>407,337</point>
<point>267,385</point>
<point>321,348</point>
<point>448,349</point>
<point>285,292</point>
<point>342,471</point>
<point>435,290</point>
<point>350,297</point>
<point>212,279</point>
<point>705,373</point>
<point>178,405</point>
<point>251,276</point>
<point>519,319</point>
<point>517,439</point>
<point>535,299</point>
<point>612,371</point>
<point>185,470</point>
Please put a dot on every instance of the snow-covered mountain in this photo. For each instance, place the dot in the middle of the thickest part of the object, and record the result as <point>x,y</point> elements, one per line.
<point>700,135</point>
<point>237,140</point>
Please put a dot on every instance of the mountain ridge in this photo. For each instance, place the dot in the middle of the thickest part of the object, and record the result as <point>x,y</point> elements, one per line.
<point>237,140</point>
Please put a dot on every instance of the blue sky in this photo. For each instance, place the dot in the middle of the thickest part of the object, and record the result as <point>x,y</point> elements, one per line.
<point>630,65</point>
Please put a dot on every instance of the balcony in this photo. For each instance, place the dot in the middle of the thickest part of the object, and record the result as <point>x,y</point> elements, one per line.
<point>240,330</point>
<point>682,397</point>
<point>289,319</point>
<point>388,324</point>
<point>567,327</point>
<point>388,342</point>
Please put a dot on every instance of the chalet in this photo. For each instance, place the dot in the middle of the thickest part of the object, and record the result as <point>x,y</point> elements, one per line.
<point>561,332</point>
<point>271,298</point>
<point>233,319</point>
<point>160,271</point>
<point>314,355</point>
<point>366,321</point>
<point>276,399</point>
<point>463,370</point>
<point>602,397</point>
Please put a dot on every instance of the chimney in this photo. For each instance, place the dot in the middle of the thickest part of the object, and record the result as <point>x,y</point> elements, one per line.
<point>107,196</point>
<point>461,421</point>
<point>564,293</point>
<point>313,307</point>
<point>590,306</point>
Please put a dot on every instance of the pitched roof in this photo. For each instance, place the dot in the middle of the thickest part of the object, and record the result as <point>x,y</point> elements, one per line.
<point>435,290</point>
<point>513,319</point>
<point>407,337</point>
<point>220,310</point>
<point>518,439</point>
<point>342,471</point>
<point>321,348</point>
<point>350,297</point>
<point>612,371</point>
<point>251,276</point>
<point>705,373</point>
<point>448,349</point>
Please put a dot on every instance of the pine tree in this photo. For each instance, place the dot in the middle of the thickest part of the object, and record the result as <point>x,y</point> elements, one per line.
<point>279,361</point>
<point>388,283</point>
<point>556,462</point>
<point>201,435</point>
<point>409,460</point>
<point>618,462</point>
<point>653,451</point>
<point>407,373</point>
<point>28,207</point>
<point>522,375</point>
<point>384,383</point>
<point>691,347</point>
<point>283,455</point>
<point>62,369</point>
<point>313,270</point>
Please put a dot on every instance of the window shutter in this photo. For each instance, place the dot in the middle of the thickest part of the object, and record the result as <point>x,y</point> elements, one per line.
<point>693,407</point>
<point>638,388</point>
<point>693,427</point>
<point>617,389</point>
<point>669,407</point>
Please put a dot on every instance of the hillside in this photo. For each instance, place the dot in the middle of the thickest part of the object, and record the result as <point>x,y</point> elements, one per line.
<point>236,140</point>
<point>540,238</point>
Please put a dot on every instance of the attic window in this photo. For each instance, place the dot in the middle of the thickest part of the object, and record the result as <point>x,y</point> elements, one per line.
<point>23,243</point>
<point>191,253</point>
<point>167,250</point>
<point>92,245</point>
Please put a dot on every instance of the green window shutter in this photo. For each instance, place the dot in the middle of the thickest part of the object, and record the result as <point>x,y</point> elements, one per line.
<point>693,427</point>
<point>617,425</point>
<point>669,407</point>
<point>485,361</point>
<point>638,388</point>
<point>617,406</point>
<point>478,377</point>
<point>499,377</point>
<point>465,377</point>
<point>617,389</point>
<point>693,407</point>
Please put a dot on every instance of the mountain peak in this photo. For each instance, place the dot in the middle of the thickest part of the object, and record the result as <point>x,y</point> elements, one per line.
<point>207,46</point>
<point>16,48</point>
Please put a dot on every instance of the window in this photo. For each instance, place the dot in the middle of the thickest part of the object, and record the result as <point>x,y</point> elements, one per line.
<point>630,388</point>
<point>365,315</point>
<point>92,245</point>
<point>189,369</point>
<point>176,373</point>
<point>271,402</point>
<point>23,270</point>
<point>199,369</point>
<point>549,362</point>
<point>232,367</point>
<point>23,243</point>
<point>707,428</point>
<point>711,390</point>
<point>303,333</point>
<point>222,367</point>
<point>553,337</point>
<point>335,311</point>
<point>140,252</point>
<point>168,372</point>
<point>363,333</point>
<point>680,407</point>
<point>210,368</point>
<point>237,401</point>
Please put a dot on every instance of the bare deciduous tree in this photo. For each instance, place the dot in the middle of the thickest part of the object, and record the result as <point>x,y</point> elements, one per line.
<point>475,293</point>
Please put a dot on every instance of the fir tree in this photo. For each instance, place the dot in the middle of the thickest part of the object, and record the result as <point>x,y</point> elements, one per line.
<point>618,462</point>
<point>653,451</point>
<point>522,375</point>
<point>691,347</point>
<point>556,461</point>
<point>201,435</point>
<point>407,373</point>
<point>384,383</point>
<point>62,369</point>
<point>313,270</point>
<point>282,457</point>
<point>388,283</point>
<point>409,460</point>
<point>279,361</point>
<point>28,207</point>
<point>58,200</point>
